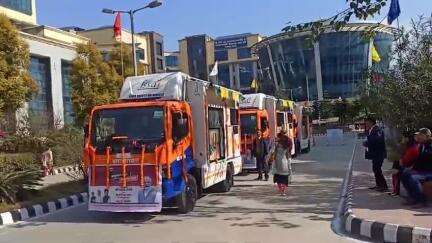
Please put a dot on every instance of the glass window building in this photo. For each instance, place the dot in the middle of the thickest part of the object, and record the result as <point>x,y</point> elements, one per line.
<point>292,67</point>
<point>23,6</point>
<point>40,107</point>
<point>68,111</point>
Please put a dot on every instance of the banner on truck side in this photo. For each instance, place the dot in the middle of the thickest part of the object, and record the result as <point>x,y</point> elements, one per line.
<point>133,197</point>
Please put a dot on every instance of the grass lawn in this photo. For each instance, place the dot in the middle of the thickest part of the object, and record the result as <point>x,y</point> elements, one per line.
<point>46,194</point>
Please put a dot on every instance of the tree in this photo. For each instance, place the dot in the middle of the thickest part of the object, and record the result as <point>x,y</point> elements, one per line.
<point>93,81</point>
<point>115,59</point>
<point>361,9</point>
<point>16,84</point>
<point>402,100</point>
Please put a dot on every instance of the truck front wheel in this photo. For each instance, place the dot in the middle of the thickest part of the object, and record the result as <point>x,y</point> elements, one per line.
<point>187,199</point>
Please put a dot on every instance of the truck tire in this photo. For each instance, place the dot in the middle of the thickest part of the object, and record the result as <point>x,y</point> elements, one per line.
<point>225,185</point>
<point>186,201</point>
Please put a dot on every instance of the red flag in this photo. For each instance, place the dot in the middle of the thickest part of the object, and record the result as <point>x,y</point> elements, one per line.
<point>118,27</point>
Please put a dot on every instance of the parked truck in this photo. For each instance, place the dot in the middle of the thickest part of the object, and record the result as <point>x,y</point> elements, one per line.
<point>169,137</point>
<point>257,113</point>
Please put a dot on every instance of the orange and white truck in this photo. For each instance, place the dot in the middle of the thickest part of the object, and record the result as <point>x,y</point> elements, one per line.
<point>169,137</point>
<point>257,113</point>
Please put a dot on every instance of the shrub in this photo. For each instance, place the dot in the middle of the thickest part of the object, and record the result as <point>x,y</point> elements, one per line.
<point>18,172</point>
<point>67,146</point>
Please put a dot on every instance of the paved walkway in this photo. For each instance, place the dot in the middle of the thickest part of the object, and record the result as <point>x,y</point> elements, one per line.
<point>382,207</point>
<point>252,212</point>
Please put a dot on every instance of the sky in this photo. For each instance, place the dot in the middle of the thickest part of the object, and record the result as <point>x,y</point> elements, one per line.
<point>176,19</point>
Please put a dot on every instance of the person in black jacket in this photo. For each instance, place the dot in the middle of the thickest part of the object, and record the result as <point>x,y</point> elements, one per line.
<point>376,151</point>
<point>260,152</point>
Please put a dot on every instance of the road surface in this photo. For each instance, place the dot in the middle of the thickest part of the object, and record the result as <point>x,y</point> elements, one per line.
<point>251,213</point>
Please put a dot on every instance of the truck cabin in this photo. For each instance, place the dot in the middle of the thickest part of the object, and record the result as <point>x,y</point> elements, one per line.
<point>131,134</point>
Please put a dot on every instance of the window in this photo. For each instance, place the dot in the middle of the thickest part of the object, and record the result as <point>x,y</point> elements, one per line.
<point>234,117</point>
<point>159,49</point>
<point>224,75</point>
<point>160,64</point>
<point>68,111</point>
<point>180,125</point>
<point>234,120</point>
<point>172,61</point>
<point>221,55</point>
<point>280,119</point>
<point>248,124</point>
<point>40,105</point>
<point>23,6</point>
<point>216,134</point>
<point>243,53</point>
<point>246,74</point>
<point>128,127</point>
<point>140,54</point>
<point>290,120</point>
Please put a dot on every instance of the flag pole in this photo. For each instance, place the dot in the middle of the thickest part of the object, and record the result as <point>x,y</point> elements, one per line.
<point>121,59</point>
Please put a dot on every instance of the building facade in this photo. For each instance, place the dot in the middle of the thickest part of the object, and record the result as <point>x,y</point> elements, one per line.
<point>237,66</point>
<point>105,41</point>
<point>335,66</point>
<point>52,52</point>
<point>155,51</point>
<point>172,61</point>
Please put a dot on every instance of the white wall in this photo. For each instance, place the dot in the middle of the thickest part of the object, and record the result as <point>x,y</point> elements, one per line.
<point>56,54</point>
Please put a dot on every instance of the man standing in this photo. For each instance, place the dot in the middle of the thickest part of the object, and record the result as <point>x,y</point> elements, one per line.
<point>260,152</point>
<point>376,151</point>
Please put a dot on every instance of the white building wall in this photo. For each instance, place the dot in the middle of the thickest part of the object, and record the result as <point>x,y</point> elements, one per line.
<point>56,54</point>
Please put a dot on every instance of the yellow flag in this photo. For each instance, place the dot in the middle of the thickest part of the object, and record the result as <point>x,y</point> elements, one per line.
<point>375,55</point>
<point>224,93</point>
<point>236,96</point>
<point>254,84</point>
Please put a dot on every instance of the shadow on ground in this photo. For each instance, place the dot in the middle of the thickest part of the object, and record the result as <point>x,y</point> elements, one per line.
<point>312,196</point>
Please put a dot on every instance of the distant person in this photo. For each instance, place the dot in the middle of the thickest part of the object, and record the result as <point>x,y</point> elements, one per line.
<point>420,171</point>
<point>410,149</point>
<point>376,152</point>
<point>106,197</point>
<point>260,152</point>
<point>281,168</point>
<point>148,194</point>
<point>48,162</point>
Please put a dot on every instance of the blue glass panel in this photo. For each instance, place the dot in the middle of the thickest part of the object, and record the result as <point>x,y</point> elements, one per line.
<point>23,6</point>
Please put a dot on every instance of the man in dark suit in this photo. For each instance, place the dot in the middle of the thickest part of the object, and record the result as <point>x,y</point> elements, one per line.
<point>376,151</point>
<point>148,194</point>
<point>260,152</point>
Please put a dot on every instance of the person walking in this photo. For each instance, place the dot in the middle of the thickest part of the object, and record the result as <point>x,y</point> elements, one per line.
<point>281,168</point>
<point>376,152</point>
<point>260,152</point>
<point>47,162</point>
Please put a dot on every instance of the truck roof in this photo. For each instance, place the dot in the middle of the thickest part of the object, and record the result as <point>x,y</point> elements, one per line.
<point>162,86</point>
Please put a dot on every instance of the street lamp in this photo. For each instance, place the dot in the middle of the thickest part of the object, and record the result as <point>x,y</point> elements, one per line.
<point>153,4</point>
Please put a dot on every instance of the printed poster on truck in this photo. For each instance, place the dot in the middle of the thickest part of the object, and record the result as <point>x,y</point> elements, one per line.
<point>136,196</point>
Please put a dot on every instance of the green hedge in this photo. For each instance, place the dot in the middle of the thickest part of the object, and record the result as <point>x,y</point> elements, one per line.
<point>19,162</point>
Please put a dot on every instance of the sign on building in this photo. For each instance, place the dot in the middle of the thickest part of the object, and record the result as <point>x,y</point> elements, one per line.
<point>231,43</point>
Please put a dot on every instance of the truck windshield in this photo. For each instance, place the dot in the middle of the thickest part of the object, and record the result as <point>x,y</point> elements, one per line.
<point>130,126</point>
<point>248,124</point>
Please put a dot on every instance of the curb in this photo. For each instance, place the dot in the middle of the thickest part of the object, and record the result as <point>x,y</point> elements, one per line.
<point>37,210</point>
<point>65,169</point>
<point>385,232</point>
<point>376,231</point>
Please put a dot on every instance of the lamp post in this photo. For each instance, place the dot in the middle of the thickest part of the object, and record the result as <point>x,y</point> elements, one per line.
<point>153,4</point>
